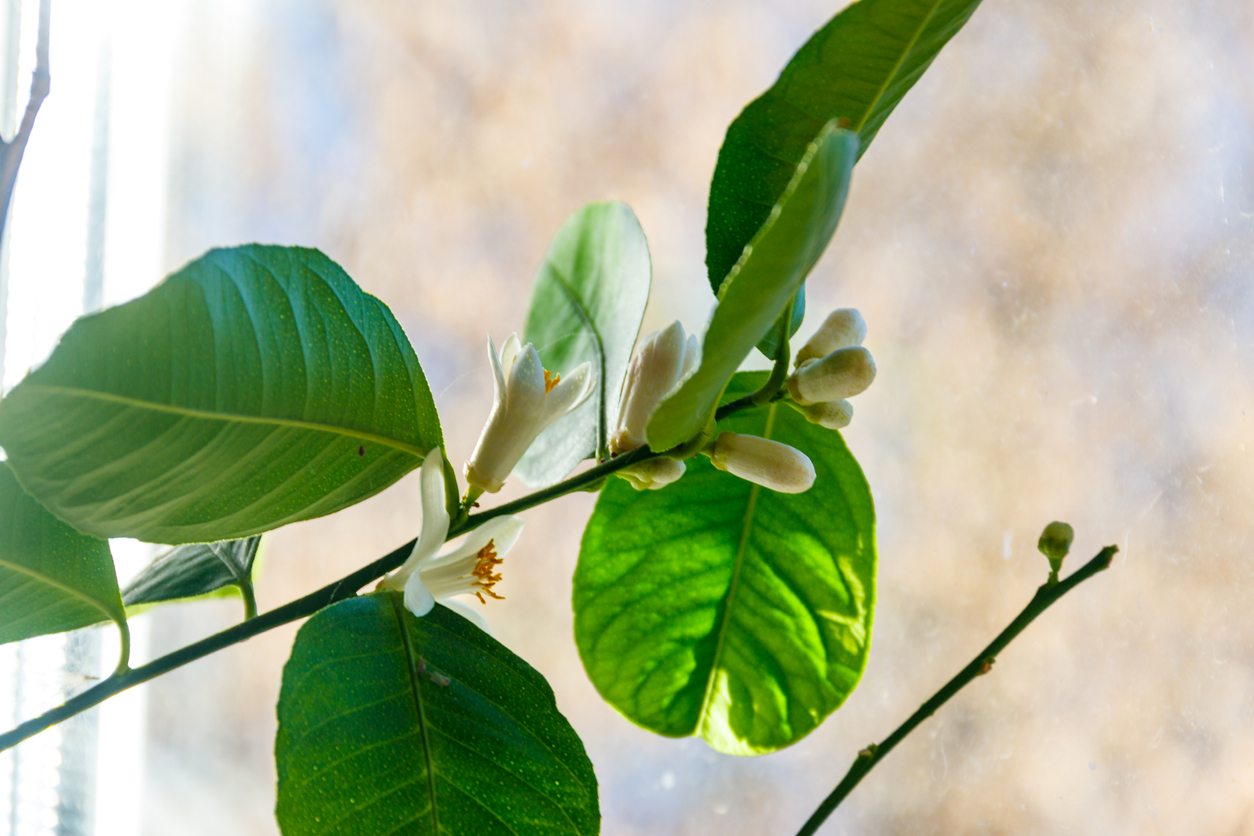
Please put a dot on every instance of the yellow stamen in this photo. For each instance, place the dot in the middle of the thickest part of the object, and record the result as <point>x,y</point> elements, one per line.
<point>485,578</point>
<point>551,379</point>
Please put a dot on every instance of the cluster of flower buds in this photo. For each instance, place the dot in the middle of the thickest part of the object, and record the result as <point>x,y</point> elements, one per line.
<point>831,367</point>
<point>663,361</point>
<point>527,399</point>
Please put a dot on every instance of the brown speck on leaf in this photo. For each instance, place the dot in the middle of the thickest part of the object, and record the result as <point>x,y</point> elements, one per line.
<point>361,451</point>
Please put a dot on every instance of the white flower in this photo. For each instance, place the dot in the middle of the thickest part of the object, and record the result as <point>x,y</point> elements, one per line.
<point>663,360</point>
<point>763,462</point>
<point>653,474</point>
<point>842,328</point>
<point>468,569</point>
<point>526,401</point>
<point>842,374</point>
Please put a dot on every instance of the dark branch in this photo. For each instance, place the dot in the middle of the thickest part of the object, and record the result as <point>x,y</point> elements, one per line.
<point>867,759</point>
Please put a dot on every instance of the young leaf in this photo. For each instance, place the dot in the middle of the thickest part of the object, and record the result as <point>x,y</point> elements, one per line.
<point>758,288</point>
<point>394,724</point>
<point>195,569</point>
<point>588,303</point>
<point>255,387</point>
<point>717,608</point>
<point>857,68</point>
<point>52,578</point>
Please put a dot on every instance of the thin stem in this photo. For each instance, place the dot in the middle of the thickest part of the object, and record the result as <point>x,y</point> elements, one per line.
<point>124,656</point>
<point>342,589</point>
<point>40,85</point>
<point>345,587</point>
<point>250,600</point>
<point>779,372</point>
<point>574,483</point>
<point>1045,596</point>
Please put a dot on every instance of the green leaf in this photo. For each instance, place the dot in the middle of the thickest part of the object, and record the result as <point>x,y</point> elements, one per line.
<point>589,300</point>
<point>52,578</point>
<point>395,724</point>
<point>193,570</point>
<point>856,68</point>
<point>255,387</point>
<point>717,608</point>
<point>758,288</point>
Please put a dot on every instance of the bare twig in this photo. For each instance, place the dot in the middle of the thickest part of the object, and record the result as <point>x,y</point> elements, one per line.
<point>40,84</point>
<point>867,759</point>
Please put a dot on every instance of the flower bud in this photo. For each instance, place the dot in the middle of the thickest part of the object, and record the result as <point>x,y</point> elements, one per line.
<point>763,462</point>
<point>653,474</point>
<point>833,415</point>
<point>664,359</point>
<point>842,374</point>
<point>841,329</point>
<point>1055,542</point>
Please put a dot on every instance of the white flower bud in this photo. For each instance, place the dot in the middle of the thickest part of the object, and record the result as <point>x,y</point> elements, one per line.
<point>842,328</point>
<point>763,462</point>
<point>664,359</point>
<point>842,374</point>
<point>833,415</point>
<point>653,474</point>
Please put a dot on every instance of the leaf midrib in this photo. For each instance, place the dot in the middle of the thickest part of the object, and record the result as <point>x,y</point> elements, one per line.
<point>599,342</point>
<point>398,610</point>
<point>39,576</point>
<point>229,417</point>
<point>750,509</point>
<point>905,53</point>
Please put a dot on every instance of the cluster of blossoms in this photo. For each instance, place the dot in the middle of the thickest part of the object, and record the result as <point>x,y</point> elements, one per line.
<point>527,399</point>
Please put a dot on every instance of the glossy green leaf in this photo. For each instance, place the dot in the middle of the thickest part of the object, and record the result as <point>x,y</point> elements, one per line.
<point>193,570</point>
<point>52,578</point>
<point>758,288</point>
<point>255,387</point>
<point>395,724</point>
<point>717,608</point>
<point>589,299</point>
<point>856,68</point>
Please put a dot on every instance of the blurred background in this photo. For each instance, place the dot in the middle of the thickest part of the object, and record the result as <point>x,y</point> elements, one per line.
<point>1051,241</point>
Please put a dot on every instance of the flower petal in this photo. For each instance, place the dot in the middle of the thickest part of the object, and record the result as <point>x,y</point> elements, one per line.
<point>498,374</point>
<point>502,532</point>
<point>572,390</point>
<point>467,612</point>
<point>417,599</point>
<point>692,359</point>
<point>434,512</point>
<point>435,519</point>
<point>526,385</point>
<point>509,352</point>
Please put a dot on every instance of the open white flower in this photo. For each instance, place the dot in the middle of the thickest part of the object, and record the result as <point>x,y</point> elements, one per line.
<point>526,400</point>
<point>664,359</point>
<point>468,569</point>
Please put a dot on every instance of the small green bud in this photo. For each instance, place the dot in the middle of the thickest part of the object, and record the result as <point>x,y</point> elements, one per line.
<point>1055,542</point>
